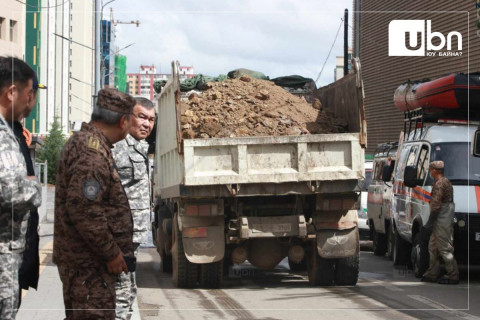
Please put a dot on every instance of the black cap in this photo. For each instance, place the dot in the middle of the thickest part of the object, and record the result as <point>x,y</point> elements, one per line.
<point>37,85</point>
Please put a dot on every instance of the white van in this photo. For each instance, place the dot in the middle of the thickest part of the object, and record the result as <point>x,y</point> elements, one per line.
<point>362,211</point>
<point>412,184</point>
<point>379,196</point>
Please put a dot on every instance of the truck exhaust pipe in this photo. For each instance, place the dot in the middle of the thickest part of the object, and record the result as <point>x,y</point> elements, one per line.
<point>296,253</point>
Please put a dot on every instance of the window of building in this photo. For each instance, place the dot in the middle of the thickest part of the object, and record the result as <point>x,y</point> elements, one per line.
<point>13,30</point>
<point>2,28</point>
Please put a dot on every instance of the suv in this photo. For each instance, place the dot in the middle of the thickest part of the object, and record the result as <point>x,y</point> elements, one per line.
<point>412,186</point>
<point>379,196</point>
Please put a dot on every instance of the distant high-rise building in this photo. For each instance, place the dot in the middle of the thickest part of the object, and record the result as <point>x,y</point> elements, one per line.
<point>141,84</point>
<point>338,73</point>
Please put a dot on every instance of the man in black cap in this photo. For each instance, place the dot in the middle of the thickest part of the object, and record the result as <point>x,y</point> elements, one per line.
<point>29,270</point>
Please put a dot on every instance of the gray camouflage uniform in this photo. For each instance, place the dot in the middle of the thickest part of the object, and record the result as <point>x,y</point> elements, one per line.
<point>17,196</point>
<point>132,162</point>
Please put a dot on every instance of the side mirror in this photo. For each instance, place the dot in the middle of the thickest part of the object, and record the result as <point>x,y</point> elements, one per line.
<point>476,143</point>
<point>387,173</point>
<point>410,177</point>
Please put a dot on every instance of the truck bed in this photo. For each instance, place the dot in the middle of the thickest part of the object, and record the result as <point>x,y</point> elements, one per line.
<point>247,160</point>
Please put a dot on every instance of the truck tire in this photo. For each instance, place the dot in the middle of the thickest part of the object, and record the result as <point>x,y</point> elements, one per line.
<point>211,275</point>
<point>165,262</point>
<point>379,244</point>
<point>320,270</point>
<point>296,267</point>
<point>346,270</point>
<point>390,242</point>
<point>184,273</point>
<point>420,256</point>
<point>401,252</point>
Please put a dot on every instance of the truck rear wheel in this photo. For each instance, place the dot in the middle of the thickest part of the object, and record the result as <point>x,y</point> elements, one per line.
<point>379,244</point>
<point>346,270</point>
<point>320,270</point>
<point>184,273</point>
<point>420,256</point>
<point>211,275</point>
<point>400,251</point>
<point>295,267</point>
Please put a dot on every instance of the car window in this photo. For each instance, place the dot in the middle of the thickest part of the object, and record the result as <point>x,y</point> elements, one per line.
<point>412,156</point>
<point>423,163</point>
<point>402,163</point>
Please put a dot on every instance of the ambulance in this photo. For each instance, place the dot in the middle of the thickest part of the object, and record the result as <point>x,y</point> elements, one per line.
<point>440,128</point>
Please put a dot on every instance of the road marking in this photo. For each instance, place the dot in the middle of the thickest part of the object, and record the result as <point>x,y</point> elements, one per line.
<point>439,306</point>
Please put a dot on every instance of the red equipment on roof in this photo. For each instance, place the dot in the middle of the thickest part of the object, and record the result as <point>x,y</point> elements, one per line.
<point>445,95</point>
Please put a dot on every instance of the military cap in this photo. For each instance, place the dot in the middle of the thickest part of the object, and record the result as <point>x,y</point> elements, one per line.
<point>436,165</point>
<point>115,100</point>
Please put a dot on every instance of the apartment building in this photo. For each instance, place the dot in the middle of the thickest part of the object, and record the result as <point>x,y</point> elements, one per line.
<point>12,29</point>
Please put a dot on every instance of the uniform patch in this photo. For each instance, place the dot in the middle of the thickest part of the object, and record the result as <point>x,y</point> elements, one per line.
<point>9,159</point>
<point>91,189</point>
<point>93,143</point>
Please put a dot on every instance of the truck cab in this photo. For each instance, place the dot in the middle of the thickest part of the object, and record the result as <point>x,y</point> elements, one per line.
<point>448,141</point>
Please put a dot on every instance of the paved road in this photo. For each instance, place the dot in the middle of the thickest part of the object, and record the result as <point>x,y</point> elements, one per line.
<point>381,293</point>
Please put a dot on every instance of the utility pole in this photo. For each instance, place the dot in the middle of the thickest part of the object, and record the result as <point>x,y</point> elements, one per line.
<point>98,50</point>
<point>345,44</point>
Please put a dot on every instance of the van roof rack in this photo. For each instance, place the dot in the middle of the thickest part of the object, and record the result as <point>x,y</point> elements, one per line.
<point>415,118</point>
<point>383,149</point>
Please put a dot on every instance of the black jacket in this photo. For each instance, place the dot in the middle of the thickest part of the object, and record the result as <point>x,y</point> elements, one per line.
<point>29,270</point>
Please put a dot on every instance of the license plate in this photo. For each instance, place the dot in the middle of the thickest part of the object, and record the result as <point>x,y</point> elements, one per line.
<point>477,236</point>
<point>272,227</point>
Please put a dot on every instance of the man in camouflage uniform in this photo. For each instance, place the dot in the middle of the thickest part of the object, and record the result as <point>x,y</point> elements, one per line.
<point>93,223</point>
<point>440,223</point>
<point>18,193</point>
<point>131,158</point>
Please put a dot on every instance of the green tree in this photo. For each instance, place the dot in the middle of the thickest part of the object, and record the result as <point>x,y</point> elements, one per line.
<point>51,149</point>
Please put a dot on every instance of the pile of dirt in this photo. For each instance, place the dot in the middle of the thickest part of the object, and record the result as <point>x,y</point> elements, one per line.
<point>252,107</point>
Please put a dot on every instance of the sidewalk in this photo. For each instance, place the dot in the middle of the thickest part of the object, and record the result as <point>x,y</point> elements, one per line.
<point>47,302</point>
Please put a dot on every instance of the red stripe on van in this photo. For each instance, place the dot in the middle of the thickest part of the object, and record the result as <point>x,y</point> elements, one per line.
<point>477,194</point>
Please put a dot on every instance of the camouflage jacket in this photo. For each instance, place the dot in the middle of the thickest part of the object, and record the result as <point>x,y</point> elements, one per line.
<point>133,166</point>
<point>93,223</point>
<point>442,192</point>
<point>17,194</point>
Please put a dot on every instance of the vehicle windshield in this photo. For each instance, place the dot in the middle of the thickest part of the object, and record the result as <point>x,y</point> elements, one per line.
<point>460,166</point>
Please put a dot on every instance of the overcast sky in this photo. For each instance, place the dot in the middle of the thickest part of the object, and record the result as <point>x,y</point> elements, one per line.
<point>276,37</point>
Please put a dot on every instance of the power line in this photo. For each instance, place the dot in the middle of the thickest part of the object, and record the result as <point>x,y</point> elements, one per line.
<point>336,36</point>
<point>49,7</point>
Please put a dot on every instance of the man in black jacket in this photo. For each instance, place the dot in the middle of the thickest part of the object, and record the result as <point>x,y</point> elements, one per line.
<point>29,270</point>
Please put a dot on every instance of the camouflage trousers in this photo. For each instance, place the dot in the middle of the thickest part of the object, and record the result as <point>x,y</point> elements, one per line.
<point>88,293</point>
<point>440,245</point>
<point>126,292</point>
<point>9,289</point>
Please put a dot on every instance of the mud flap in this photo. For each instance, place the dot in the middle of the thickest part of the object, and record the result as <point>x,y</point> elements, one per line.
<point>338,243</point>
<point>210,246</point>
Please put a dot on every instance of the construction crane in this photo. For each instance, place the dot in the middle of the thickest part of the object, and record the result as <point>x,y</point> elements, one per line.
<point>115,22</point>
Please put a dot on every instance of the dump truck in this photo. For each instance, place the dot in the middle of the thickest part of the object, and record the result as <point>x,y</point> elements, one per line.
<point>223,201</point>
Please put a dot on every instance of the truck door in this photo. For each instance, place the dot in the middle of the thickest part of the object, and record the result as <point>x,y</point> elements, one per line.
<point>375,195</point>
<point>421,194</point>
<point>402,204</point>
